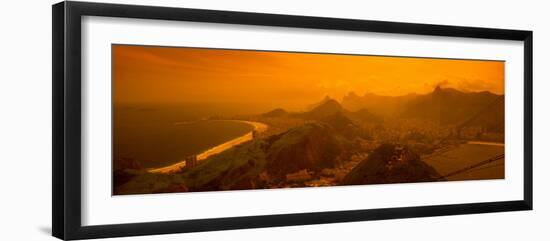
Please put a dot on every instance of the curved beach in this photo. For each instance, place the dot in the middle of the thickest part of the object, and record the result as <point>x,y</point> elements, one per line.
<point>258,127</point>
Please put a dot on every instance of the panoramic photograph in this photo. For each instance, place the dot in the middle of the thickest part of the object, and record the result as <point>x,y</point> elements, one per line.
<point>189,119</point>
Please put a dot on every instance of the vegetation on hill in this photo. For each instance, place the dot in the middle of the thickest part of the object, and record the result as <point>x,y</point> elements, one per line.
<point>391,163</point>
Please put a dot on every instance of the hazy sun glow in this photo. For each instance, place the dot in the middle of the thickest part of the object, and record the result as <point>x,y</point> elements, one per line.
<point>174,75</point>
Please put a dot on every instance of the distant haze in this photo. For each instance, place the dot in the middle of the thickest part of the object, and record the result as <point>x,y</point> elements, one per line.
<point>267,80</point>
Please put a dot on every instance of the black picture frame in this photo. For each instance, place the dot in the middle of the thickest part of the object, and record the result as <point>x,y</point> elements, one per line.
<point>66,75</point>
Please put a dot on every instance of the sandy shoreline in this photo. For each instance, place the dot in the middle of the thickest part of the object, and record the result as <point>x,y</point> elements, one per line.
<point>258,127</point>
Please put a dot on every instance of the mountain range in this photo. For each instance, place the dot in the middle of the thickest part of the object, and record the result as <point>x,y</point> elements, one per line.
<point>442,105</point>
<point>445,106</point>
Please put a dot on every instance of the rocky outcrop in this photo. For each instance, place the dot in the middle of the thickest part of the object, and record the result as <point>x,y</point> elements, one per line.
<point>279,112</point>
<point>391,163</point>
<point>328,107</point>
<point>313,146</point>
<point>342,124</point>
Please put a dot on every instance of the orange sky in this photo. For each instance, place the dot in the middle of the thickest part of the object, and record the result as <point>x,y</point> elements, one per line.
<point>160,74</point>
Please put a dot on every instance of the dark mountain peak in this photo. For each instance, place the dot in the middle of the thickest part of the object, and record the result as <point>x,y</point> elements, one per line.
<point>330,102</point>
<point>326,108</point>
<point>327,101</point>
<point>446,92</point>
<point>278,112</point>
<point>315,105</point>
<point>352,95</point>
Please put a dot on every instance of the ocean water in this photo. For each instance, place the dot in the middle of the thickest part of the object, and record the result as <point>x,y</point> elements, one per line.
<point>160,135</point>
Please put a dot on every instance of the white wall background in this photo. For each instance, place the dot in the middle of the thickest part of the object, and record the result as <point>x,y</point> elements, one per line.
<point>25,120</point>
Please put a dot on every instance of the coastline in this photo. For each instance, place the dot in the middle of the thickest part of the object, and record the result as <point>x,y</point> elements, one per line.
<point>258,127</point>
